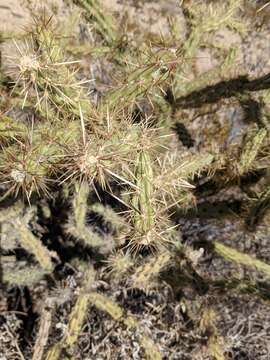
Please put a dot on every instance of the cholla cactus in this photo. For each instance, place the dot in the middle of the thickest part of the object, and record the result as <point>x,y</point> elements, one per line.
<point>16,233</point>
<point>88,182</point>
<point>72,142</point>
